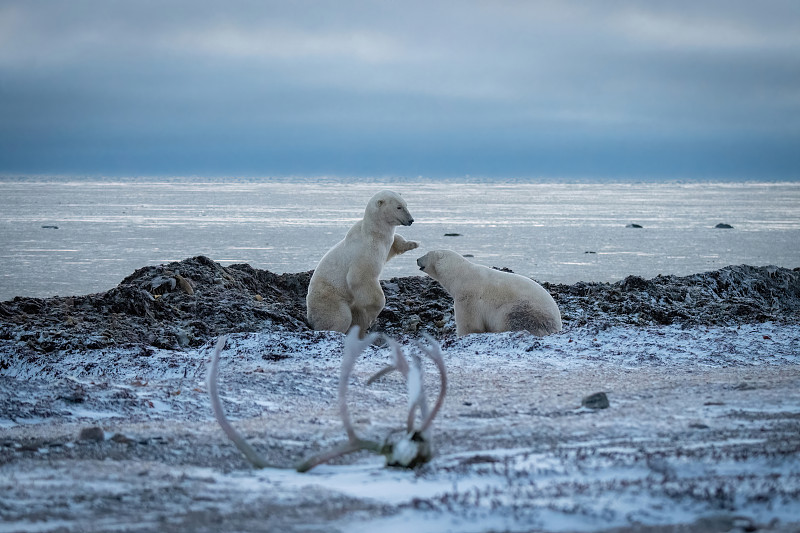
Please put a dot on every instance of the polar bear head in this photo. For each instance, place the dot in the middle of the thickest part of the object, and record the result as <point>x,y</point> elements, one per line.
<point>390,208</point>
<point>438,262</point>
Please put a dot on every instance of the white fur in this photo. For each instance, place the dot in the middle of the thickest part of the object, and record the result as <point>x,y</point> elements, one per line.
<point>344,290</point>
<point>488,300</point>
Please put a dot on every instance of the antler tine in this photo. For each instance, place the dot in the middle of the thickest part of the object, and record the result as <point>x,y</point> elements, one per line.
<point>416,391</point>
<point>415,447</point>
<point>400,362</point>
<point>435,353</point>
<point>399,365</point>
<point>353,347</point>
<point>380,373</point>
<point>219,413</point>
<point>342,450</point>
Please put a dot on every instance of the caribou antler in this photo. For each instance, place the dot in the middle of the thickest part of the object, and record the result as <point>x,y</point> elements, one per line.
<point>415,447</point>
<point>219,414</point>
<point>352,349</point>
<point>435,353</point>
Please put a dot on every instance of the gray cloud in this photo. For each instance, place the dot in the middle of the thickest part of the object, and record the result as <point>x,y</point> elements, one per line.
<point>440,88</point>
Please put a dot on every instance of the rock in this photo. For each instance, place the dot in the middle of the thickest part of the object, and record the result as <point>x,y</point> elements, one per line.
<point>411,323</point>
<point>75,394</point>
<point>637,226</point>
<point>183,338</point>
<point>443,321</point>
<point>722,225</point>
<point>452,235</point>
<point>121,439</point>
<point>162,284</point>
<point>49,227</point>
<point>93,433</point>
<point>184,284</point>
<point>723,522</point>
<point>598,400</point>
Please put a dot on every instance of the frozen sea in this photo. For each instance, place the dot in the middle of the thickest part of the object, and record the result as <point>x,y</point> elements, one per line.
<point>61,236</point>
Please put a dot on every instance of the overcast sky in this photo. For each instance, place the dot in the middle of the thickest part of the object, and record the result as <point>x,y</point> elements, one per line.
<point>617,89</point>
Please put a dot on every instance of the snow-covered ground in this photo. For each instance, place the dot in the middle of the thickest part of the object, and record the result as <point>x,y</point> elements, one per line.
<point>703,430</point>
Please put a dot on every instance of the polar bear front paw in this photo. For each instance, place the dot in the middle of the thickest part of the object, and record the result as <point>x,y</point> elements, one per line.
<point>401,246</point>
<point>409,245</point>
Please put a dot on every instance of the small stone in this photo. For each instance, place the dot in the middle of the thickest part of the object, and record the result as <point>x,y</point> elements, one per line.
<point>411,323</point>
<point>49,227</point>
<point>184,284</point>
<point>93,433</point>
<point>598,400</point>
<point>452,235</point>
<point>161,284</point>
<point>722,225</point>
<point>182,337</point>
<point>77,394</point>
<point>637,226</point>
<point>259,298</point>
<point>121,439</point>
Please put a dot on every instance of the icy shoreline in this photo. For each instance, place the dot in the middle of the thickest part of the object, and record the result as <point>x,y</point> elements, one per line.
<point>702,432</point>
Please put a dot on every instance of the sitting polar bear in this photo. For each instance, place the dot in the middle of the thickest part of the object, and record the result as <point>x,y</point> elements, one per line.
<point>488,300</point>
<point>344,290</point>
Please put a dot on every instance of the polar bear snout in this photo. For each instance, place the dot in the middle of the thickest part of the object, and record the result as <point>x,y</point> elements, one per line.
<point>404,217</point>
<point>422,262</point>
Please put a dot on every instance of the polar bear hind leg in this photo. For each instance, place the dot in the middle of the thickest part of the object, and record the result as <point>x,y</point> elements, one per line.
<point>523,316</point>
<point>327,311</point>
<point>368,301</point>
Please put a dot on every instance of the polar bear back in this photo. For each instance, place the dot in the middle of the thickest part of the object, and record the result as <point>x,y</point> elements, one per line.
<point>353,256</point>
<point>510,302</point>
<point>488,300</point>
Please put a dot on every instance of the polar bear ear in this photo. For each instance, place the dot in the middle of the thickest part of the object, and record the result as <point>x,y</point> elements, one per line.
<point>380,203</point>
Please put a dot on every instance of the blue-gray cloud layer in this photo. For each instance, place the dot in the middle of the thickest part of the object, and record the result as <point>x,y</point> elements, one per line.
<point>613,88</point>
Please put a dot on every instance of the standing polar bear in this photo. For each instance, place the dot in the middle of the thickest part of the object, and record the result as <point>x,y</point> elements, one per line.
<point>488,300</point>
<point>344,290</point>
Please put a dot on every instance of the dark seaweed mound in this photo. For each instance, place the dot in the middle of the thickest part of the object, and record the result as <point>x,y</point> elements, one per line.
<point>188,303</point>
<point>729,296</point>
